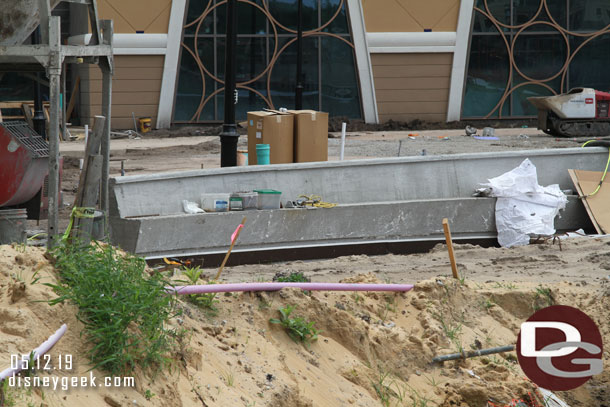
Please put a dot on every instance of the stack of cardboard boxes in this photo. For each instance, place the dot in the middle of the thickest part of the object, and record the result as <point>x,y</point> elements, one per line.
<point>294,136</point>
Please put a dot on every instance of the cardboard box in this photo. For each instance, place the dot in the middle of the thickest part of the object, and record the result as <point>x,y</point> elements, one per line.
<point>310,136</point>
<point>275,129</point>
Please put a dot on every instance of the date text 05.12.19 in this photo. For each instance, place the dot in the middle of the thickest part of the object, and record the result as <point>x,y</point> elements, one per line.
<point>45,362</point>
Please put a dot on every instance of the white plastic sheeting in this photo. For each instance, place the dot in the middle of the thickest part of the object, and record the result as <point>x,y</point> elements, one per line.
<point>524,207</point>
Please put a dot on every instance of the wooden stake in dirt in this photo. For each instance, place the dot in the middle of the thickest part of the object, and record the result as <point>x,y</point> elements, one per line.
<point>233,240</point>
<point>450,247</point>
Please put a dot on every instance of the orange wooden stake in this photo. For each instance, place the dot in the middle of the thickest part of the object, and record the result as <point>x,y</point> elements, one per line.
<point>450,248</point>
<point>233,240</point>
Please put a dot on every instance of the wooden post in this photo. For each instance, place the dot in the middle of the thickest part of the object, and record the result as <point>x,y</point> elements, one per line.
<point>222,266</point>
<point>450,248</point>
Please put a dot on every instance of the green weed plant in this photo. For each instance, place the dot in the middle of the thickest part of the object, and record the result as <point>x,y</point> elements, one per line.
<point>297,328</point>
<point>124,310</point>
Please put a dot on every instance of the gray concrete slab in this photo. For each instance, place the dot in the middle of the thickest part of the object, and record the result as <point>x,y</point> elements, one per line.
<point>346,182</point>
<point>396,199</point>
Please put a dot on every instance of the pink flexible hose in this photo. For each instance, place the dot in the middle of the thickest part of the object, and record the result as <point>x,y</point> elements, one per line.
<point>225,288</point>
<point>39,351</point>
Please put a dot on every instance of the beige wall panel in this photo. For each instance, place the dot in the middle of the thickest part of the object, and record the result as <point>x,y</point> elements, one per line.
<point>388,16</point>
<point>402,95</point>
<point>136,88</point>
<point>125,111</point>
<point>411,83</point>
<point>411,59</point>
<point>125,85</point>
<point>449,21</point>
<point>150,16</point>
<point>132,73</point>
<point>139,61</point>
<point>412,86</point>
<point>406,117</point>
<point>123,123</point>
<point>410,15</point>
<point>412,107</point>
<point>412,71</point>
<point>127,98</point>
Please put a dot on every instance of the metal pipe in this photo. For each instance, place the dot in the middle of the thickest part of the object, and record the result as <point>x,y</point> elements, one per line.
<point>226,288</point>
<point>298,97</point>
<point>54,73</point>
<point>472,354</point>
<point>229,136</point>
<point>343,130</point>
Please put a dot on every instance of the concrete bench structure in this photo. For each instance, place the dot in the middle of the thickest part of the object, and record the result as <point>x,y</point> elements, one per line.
<point>380,200</point>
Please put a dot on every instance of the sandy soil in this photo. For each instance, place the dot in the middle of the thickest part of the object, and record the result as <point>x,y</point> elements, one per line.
<point>372,347</point>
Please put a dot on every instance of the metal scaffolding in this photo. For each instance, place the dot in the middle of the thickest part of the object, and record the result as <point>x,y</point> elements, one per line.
<point>51,56</point>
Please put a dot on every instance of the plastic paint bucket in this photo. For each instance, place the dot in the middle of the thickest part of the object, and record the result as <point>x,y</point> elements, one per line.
<point>262,154</point>
<point>12,226</point>
<point>242,158</point>
<point>145,124</point>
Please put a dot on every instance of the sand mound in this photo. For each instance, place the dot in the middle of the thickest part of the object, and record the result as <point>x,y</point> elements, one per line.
<point>374,348</point>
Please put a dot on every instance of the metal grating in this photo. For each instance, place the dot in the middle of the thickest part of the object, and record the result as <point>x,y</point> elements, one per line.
<point>28,138</point>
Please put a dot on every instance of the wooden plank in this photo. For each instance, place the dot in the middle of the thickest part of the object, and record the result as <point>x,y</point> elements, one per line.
<point>13,105</point>
<point>84,226</point>
<point>72,99</point>
<point>449,241</point>
<point>597,205</point>
<point>28,112</point>
<point>94,143</point>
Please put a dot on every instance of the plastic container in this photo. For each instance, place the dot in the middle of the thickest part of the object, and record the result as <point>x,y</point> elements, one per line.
<point>268,198</point>
<point>249,199</point>
<point>242,158</point>
<point>218,202</point>
<point>12,226</point>
<point>236,203</point>
<point>262,154</point>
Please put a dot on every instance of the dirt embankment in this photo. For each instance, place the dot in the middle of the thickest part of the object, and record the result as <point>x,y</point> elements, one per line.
<point>374,349</point>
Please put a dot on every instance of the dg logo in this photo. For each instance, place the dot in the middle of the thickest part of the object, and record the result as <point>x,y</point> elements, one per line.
<point>559,348</point>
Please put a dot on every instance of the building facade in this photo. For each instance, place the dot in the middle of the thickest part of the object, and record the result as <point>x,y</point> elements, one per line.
<point>376,60</point>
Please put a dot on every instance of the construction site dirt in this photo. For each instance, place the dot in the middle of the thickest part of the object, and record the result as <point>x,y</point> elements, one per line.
<point>373,349</point>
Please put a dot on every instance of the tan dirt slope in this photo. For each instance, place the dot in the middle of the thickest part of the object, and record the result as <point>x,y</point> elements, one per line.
<point>374,349</point>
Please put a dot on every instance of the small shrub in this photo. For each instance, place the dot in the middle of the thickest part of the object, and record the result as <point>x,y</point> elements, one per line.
<point>294,277</point>
<point>297,328</point>
<point>206,301</point>
<point>123,309</point>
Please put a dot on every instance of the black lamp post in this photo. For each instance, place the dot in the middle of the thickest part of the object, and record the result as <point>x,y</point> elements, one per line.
<point>298,96</point>
<point>229,136</point>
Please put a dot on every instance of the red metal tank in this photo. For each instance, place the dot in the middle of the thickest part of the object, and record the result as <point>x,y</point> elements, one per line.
<point>23,163</point>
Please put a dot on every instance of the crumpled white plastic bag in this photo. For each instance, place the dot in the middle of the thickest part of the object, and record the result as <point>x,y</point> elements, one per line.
<point>191,207</point>
<point>523,206</point>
